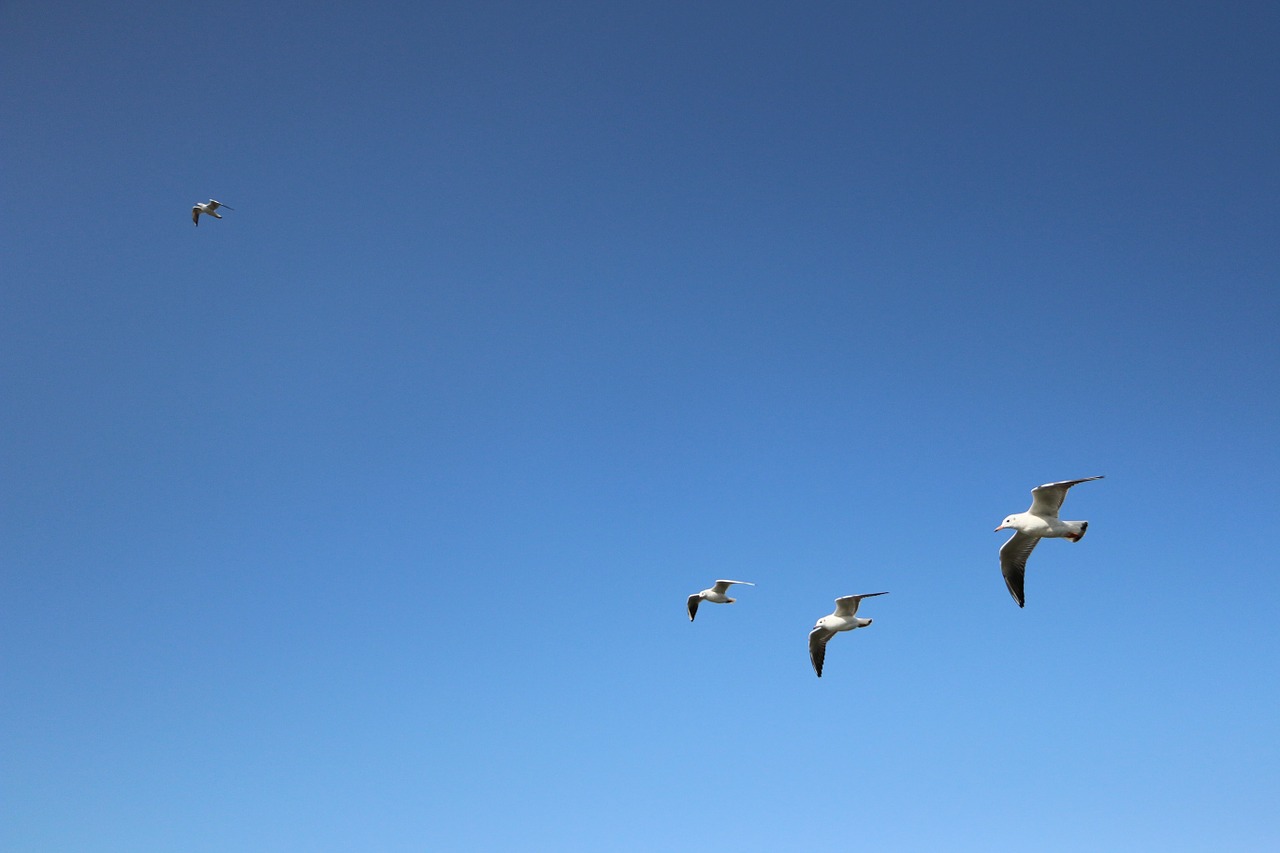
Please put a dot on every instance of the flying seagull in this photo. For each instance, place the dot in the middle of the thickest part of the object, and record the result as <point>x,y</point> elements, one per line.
<point>844,619</point>
<point>208,208</point>
<point>716,595</point>
<point>1039,522</point>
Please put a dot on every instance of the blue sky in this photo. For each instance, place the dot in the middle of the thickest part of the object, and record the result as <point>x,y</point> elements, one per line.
<point>364,518</point>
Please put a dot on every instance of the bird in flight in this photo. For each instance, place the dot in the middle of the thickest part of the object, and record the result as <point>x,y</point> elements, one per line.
<point>716,595</point>
<point>209,208</point>
<point>844,619</point>
<point>1039,522</point>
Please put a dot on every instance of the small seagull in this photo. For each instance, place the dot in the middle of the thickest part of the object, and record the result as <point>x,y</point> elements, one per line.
<point>208,208</point>
<point>844,619</point>
<point>716,595</point>
<point>1039,522</point>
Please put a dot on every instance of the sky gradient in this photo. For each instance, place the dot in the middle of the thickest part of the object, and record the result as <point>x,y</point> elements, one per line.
<point>364,518</point>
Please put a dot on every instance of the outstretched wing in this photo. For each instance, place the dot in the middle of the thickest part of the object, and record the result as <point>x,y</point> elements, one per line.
<point>1013,563</point>
<point>848,605</point>
<point>693,605</point>
<point>195,215</point>
<point>818,647</point>
<point>1046,500</point>
<point>723,586</point>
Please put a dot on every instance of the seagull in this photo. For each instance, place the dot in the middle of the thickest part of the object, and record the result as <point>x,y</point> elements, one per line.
<point>209,208</point>
<point>715,595</point>
<point>844,619</point>
<point>1039,522</point>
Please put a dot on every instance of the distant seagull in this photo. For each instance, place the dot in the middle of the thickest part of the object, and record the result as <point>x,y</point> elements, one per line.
<point>1039,522</point>
<point>844,619</point>
<point>716,595</point>
<point>208,208</point>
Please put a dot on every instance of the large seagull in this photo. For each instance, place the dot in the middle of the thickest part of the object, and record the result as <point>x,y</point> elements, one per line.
<point>844,619</point>
<point>208,208</point>
<point>716,595</point>
<point>1039,522</point>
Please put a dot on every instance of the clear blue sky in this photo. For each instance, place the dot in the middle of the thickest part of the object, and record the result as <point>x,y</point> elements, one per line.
<point>364,518</point>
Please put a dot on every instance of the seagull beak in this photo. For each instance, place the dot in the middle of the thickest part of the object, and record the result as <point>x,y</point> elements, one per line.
<point>998,529</point>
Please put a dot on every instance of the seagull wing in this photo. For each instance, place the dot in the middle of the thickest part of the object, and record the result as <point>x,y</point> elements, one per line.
<point>848,605</point>
<point>818,647</point>
<point>214,204</point>
<point>195,215</point>
<point>693,605</point>
<point>723,586</point>
<point>1013,562</point>
<point>1046,500</point>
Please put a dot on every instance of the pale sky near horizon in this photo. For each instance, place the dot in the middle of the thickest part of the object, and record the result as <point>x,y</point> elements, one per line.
<point>364,518</point>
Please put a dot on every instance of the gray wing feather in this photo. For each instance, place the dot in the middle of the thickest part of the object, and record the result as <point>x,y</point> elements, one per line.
<point>818,647</point>
<point>693,605</point>
<point>848,605</point>
<point>1046,500</point>
<point>1013,563</point>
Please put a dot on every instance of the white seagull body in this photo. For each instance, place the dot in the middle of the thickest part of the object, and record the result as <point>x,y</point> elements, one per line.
<point>844,619</point>
<point>716,595</point>
<point>209,208</point>
<point>1039,522</point>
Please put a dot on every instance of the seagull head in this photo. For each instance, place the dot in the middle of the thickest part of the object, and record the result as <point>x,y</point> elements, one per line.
<point>1007,523</point>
